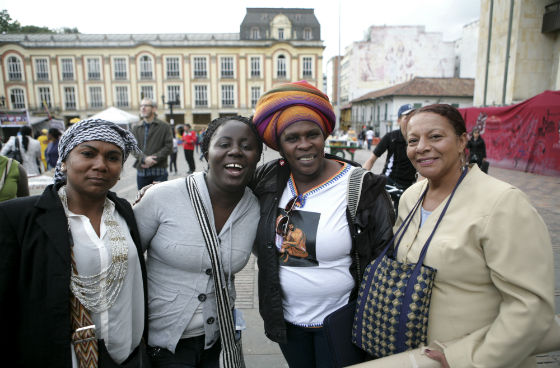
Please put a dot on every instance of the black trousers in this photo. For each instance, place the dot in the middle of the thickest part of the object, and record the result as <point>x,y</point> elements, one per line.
<point>189,156</point>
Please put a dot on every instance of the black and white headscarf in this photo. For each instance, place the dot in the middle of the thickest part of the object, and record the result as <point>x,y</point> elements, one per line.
<point>93,130</point>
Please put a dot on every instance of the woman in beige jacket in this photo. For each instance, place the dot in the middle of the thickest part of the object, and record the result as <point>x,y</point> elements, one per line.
<point>493,292</point>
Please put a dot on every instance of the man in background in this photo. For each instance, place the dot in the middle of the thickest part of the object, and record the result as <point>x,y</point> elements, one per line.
<point>156,142</point>
<point>189,141</point>
<point>398,168</point>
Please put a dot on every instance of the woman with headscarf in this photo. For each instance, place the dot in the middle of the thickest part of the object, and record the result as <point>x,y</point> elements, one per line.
<point>72,276</point>
<point>30,150</point>
<point>311,248</point>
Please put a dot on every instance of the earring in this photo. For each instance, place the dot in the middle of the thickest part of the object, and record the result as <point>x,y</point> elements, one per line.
<point>63,167</point>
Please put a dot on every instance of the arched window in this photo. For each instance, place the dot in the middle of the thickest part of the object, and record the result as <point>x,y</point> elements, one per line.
<point>146,69</point>
<point>281,67</point>
<point>14,69</point>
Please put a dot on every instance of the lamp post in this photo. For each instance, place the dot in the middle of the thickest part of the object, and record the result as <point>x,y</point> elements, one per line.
<point>170,103</point>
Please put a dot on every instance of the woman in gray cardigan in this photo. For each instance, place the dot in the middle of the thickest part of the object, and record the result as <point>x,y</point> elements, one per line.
<point>184,326</point>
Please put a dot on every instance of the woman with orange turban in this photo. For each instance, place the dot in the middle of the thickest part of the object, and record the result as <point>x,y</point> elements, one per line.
<point>323,219</point>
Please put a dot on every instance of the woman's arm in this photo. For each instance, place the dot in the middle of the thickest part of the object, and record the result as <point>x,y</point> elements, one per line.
<point>147,217</point>
<point>22,183</point>
<point>518,253</point>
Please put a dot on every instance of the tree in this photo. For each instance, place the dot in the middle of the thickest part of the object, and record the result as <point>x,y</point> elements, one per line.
<point>6,24</point>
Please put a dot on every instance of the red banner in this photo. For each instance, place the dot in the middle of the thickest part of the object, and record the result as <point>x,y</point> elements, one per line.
<point>524,136</point>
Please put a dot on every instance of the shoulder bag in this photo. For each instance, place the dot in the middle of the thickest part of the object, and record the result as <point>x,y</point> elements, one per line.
<point>394,298</point>
<point>15,152</point>
<point>231,355</point>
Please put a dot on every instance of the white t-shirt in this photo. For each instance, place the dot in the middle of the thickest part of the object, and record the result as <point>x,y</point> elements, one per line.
<point>369,134</point>
<point>315,253</point>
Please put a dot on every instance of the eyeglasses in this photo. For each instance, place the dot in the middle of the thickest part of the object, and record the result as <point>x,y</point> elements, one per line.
<point>146,106</point>
<point>283,224</point>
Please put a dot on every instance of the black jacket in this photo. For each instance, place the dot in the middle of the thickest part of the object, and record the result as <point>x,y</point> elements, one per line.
<point>35,279</point>
<point>477,150</point>
<point>370,232</point>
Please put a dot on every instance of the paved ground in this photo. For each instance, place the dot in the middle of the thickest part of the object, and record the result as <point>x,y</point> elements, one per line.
<point>543,191</point>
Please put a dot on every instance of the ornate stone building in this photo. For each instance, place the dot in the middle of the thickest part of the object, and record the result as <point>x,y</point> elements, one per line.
<point>198,76</point>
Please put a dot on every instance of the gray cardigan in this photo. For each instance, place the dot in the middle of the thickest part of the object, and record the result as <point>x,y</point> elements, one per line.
<point>179,268</point>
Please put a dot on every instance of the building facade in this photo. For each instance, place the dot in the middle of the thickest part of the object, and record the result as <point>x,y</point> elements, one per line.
<point>379,109</point>
<point>194,78</point>
<point>518,50</point>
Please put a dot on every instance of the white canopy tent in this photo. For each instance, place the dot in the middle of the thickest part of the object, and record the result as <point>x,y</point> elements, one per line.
<point>117,116</point>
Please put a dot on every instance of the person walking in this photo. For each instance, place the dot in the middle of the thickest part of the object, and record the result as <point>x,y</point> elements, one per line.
<point>189,141</point>
<point>51,153</point>
<point>155,139</point>
<point>369,137</point>
<point>477,151</point>
<point>30,150</point>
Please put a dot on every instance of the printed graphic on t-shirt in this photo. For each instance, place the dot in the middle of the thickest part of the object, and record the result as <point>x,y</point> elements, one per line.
<point>297,246</point>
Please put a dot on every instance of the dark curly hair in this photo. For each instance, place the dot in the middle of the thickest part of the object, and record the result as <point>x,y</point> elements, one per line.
<point>216,123</point>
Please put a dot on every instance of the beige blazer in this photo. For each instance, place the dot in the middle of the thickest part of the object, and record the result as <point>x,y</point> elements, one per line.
<point>494,286</point>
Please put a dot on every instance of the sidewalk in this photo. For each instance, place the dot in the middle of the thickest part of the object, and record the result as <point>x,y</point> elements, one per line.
<point>260,352</point>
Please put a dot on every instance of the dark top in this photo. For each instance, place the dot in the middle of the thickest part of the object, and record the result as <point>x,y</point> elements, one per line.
<point>35,279</point>
<point>159,142</point>
<point>51,153</point>
<point>370,231</point>
<point>477,150</point>
<point>397,166</point>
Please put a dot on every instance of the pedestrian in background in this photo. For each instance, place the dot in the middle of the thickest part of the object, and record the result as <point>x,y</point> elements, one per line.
<point>13,179</point>
<point>477,150</point>
<point>73,277</point>
<point>30,150</point>
<point>369,137</point>
<point>189,141</point>
<point>51,153</point>
<point>43,139</point>
<point>155,139</point>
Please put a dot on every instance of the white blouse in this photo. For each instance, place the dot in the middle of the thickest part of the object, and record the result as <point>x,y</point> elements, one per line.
<point>120,326</point>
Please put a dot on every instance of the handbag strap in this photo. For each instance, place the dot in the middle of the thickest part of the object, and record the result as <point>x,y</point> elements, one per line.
<point>83,329</point>
<point>231,355</point>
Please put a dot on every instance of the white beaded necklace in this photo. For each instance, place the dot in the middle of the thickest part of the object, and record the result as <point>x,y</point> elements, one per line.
<point>100,291</point>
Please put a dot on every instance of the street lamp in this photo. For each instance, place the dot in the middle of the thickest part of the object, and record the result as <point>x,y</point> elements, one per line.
<point>170,103</point>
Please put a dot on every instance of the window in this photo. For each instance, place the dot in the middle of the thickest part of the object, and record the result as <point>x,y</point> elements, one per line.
<point>45,96</point>
<point>14,68</point>
<point>174,93</point>
<point>69,98</point>
<point>308,67</point>
<point>200,67</point>
<point>227,67</point>
<point>255,33</point>
<point>455,105</point>
<point>200,96</point>
<point>42,69</point>
<point>227,95</point>
<point>255,66</point>
<point>95,97</point>
<point>172,64</point>
<point>417,105</point>
<point>119,65</point>
<point>280,33</point>
<point>93,69</point>
<point>307,35</point>
<point>147,92</point>
<point>146,71</point>
<point>67,69</point>
<point>121,94</point>
<point>281,67</point>
<point>255,95</point>
<point>17,96</point>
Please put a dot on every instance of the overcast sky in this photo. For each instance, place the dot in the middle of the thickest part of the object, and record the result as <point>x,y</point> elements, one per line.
<point>219,16</point>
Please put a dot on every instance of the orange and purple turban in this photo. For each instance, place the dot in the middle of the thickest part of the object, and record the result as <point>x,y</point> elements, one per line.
<point>288,104</point>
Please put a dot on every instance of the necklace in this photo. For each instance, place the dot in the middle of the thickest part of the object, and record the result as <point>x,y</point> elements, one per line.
<point>99,292</point>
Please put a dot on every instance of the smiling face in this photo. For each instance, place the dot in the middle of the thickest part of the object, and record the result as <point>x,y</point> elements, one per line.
<point>92,168</point>
<point>434,148</point>
<point>302,144</point>
<point>232,156</point>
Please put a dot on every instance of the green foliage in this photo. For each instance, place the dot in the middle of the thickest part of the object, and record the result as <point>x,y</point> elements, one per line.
<point>8,25</point>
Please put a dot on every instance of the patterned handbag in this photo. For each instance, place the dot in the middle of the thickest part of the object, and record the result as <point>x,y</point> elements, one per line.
<point>394,298</point>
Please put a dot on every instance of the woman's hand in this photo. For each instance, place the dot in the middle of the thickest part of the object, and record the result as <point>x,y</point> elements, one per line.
<point>142,191</point>
<point>438,356</point>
